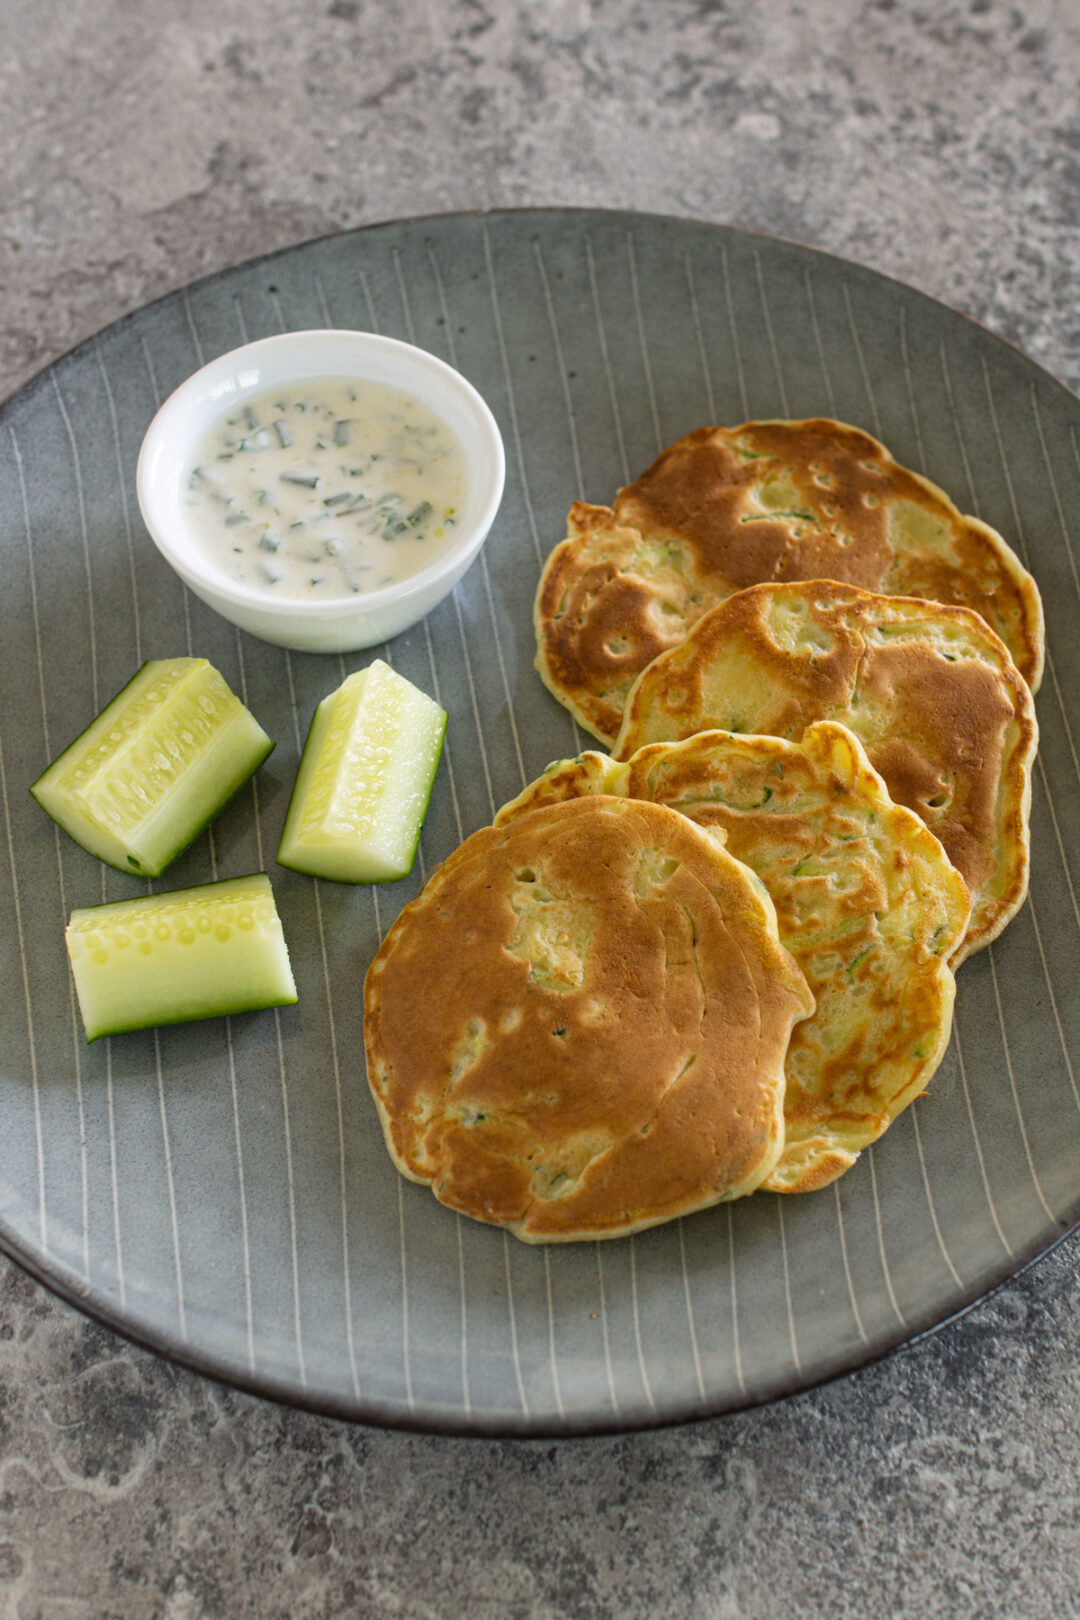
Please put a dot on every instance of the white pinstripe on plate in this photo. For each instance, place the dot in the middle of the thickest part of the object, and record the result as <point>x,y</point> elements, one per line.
<point>118,1246</point>
<point>76,1048</point>
<point>560,361</point>
<point>856,340</point>
<point>885,1272</point>
<point>512,1314</point>
<point>121,483</point>
<point>913,1114</point>
<point>1065,535</point>
<point>1054,1004</point>
<point>815,327</point>
<point>733,332</point>
<point>637,1322</point>
<point>695,314</point>
<point>91,616</point>
<point>366,290</point>
<point>113,1174</point>
<point>631,254</point>
<point>178,1272</point>
<point>1012,1085</point>
<point>323,304</point>
<point>553,1359</point>
<point>740,1380</point>
<point>608,1368</point>
<point>605,357</point>
<point>31,1040</point>
<point>466,1400</point>
<point>512,403</point>
<point>910,383</point>
<point>688,1296</point>
<point>770,335</point>
<point>779,1202</point>
<point>155,390</point>
<point>403,1260</point>
<point>847,1264</point>
<point>1006,1245</point>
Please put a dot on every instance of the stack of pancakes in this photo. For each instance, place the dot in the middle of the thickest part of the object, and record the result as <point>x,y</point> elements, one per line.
<point>722,956</point>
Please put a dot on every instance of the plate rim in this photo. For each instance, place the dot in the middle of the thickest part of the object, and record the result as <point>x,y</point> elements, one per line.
<point>500,1425</point>
<point>429,1419</point>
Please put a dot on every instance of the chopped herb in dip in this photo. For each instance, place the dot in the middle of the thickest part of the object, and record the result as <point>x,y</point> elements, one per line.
<point>326,488</point>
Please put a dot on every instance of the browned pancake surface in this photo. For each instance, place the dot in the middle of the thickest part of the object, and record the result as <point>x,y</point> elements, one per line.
<point>579,1027</point>
<point>726,508</point>
<point>929,690</point>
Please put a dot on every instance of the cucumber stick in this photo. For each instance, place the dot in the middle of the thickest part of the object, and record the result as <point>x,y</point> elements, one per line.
<point>185,954</point>
<point>364,780</point>
<point>156,765</point>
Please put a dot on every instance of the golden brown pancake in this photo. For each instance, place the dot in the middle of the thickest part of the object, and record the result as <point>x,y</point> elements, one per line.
<point>929,690</point>
<point>866,900</point>
<point>726,508</point>
<point>578,1029</point>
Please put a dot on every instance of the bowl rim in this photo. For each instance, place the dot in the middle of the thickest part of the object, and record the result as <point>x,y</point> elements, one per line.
<point>159,449</point>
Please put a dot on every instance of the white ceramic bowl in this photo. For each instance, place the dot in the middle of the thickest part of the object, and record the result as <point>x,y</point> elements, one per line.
<point>337,624</point>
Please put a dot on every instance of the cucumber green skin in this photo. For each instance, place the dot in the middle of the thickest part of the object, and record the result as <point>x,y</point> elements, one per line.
<point>155,994</point>
<point>192,1015</point>
<point>329,867</point>
<point>83,834</point>
<point>423,814</point>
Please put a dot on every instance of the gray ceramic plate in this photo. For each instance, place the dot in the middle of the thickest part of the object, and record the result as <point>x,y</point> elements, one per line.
<point>220,1191</point>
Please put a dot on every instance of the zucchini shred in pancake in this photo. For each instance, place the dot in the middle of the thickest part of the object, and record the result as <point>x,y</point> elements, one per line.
<point>866,901</point>
<point>727,508</point>
<point>578,1029</point>
<point>929,690</point>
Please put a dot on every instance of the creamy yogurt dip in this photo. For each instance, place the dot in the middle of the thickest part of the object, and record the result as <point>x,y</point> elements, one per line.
<point>326,487</point>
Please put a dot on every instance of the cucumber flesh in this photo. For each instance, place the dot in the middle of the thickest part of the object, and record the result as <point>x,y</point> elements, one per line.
<point>181,955</point>
<point>159,762</point>
<point>364,780</point>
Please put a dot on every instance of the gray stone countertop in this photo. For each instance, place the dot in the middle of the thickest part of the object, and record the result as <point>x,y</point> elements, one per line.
<point>143,145</point>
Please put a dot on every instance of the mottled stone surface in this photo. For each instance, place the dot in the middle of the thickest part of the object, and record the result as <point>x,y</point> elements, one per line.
<point>144,145</point>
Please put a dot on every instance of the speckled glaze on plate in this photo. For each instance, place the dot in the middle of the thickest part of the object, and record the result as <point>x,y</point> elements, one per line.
<point>220,1191</point>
